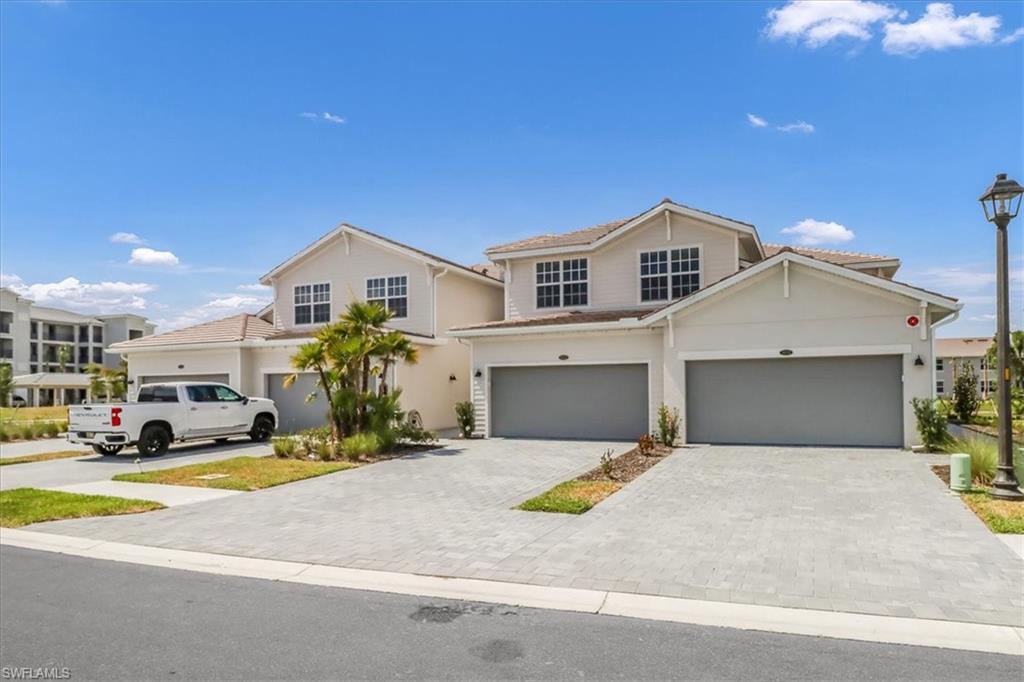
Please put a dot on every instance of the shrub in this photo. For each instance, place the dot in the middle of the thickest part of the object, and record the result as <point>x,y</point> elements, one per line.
<point>324,449</point>
<point>360,445</point>
<point>52,429</point>
<point>387,439</point>
<point>311,439</point>
<point>26,432</point>
<point>931,423</point>
<point>645,445</point>
<point>63,427</point>
<point>984,454</point>
<point>966,400</point>
<point>4,436</point>
<point>668,424</point>
<point>285,447</point>
<point>465,414</point>
<point>606,462</point>
<point>409,432</point>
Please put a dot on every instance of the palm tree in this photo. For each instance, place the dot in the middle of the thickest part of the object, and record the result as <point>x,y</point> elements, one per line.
<point>97,382</point>
<point>392,348</point>
<point>363,324</point>
<point>64,354</point>
<point>313,356</point>
<point>6,384</point>
<point>1016,359</point>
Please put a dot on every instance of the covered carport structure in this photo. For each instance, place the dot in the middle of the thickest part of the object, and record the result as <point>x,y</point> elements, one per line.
<point>55,386</point>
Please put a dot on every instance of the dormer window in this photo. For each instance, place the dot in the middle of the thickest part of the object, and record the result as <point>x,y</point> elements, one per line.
<point>563,283</point>
<point>669,274</point>
<point>312,303</point>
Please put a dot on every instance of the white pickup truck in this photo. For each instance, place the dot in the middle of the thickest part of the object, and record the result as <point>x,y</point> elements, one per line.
<point>164,413</point>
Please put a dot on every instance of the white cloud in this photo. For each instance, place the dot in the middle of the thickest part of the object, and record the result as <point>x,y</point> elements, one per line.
<point>939,28</point>
<point>126,238</point>
<point>756,121</point>
<point>93,297</point>
<point>253,287</point>
<point>1013,37</point>
<point>810,232</point>
<point>325,116</point>
<point>816,23</point>
<point>798,127</point>
<point>147,256</point>
<point>215,308</point>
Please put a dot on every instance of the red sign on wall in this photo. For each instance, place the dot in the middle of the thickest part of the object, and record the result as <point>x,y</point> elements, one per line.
<point>913,320</point>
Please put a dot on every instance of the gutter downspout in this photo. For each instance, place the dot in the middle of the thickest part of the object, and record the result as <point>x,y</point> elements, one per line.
<point>433,302</point>
<point>949,320</point>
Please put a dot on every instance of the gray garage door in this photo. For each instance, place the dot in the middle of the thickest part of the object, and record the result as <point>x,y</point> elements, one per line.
<point>600,402</point>
<point>293,412</point>
<point>164,378</point>
<point>796,401</point>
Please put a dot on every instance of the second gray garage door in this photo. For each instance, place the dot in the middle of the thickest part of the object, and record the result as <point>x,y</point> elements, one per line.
<point>600,402</point>
<point>854,401</point>
<point>293,412</point>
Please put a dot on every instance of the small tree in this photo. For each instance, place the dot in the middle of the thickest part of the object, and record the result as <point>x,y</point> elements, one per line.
<point>966,400</point>
<point>6,384</point>
<point>64,355</point>
<point>931,423</point>
<point>668,424</point>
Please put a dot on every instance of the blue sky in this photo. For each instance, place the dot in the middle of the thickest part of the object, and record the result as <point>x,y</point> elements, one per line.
<point>226,136</point>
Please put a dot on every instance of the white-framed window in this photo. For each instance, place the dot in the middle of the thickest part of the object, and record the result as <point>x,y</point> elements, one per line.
<point>563,283</point>
<point>940,387</point>
<point>312,303</point>
<point>391,291</point>
<point>939,365</point>
<point>669,273</point>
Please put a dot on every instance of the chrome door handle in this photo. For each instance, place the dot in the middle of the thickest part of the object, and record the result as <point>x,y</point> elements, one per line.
<point>194,409</point>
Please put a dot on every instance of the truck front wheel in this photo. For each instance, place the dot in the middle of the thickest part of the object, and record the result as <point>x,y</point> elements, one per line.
<point>153,441</point>
<point>262,429</point>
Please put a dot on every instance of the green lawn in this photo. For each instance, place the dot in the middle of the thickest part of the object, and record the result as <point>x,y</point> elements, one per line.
<point>57,412</point>
<point>44,456</point>
<point>571,497</point>
<point>1000,516</point>
<point>22,506</point>
<point>243,473</point>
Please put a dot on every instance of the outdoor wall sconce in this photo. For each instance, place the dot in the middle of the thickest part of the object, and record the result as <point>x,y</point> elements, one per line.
<point>563,356</point>
<point>919,362</point>
<point>181,366</point>
<point>451,377</point>
<point>478,374</point>
<point>785,352</point>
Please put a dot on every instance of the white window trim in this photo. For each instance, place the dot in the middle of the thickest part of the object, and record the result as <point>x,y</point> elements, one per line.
<point>330,304</point>
<point>940,387</point>
<point>561,284</point>
<point>408,288</point>
<point>669,248</point>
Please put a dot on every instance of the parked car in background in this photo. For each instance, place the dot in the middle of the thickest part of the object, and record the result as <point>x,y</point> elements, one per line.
<point>165,413</point>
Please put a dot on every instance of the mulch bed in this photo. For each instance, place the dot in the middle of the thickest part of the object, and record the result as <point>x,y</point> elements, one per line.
<point>942,471</point>
<point>628,466</point>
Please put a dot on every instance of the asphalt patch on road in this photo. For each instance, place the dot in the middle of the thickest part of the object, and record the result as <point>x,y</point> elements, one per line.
<point>446,613</point>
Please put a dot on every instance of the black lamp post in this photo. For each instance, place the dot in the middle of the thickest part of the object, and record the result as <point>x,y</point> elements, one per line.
<point>1001,202</point>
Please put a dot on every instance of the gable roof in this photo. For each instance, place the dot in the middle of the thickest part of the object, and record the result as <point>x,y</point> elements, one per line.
<point>597,235</point>
<point>240,327</point>
<point>380,240</point>
<point>974,347</point>
<point>830,255</point>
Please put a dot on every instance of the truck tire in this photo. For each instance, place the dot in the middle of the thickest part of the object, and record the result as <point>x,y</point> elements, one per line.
<point>262,429</point>
<point>106,449</point>
<point>153,441</point>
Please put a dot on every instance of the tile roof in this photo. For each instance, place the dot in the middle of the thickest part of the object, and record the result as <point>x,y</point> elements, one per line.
<point>571,317</point>
<point>423,253</point>
<point>974,347</point>
<point>588,235</point>
<point>830,255</point>
<point>240,327</point>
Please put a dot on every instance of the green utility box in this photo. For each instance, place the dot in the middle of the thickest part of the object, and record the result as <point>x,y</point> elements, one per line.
<point>959,473</point>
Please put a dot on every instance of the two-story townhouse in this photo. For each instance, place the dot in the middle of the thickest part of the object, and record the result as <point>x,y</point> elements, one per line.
<point>955,355</point>
<point>427,295</point>
<point>751,343</point>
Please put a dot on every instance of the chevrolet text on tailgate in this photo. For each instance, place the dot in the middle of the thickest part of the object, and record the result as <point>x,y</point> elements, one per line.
<point>164,413</point>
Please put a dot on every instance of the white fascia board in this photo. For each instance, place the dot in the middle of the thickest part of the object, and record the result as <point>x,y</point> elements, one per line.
<point>874,264</point>
<point>248,343</point>
<point>628,323</point>
<point>831,268</point>
<point>623,229</point>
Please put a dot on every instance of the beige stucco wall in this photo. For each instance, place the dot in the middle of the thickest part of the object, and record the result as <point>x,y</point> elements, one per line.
<point>615,269</point>
<point>212,361</point>
<point>821,312</point>
<point>582,348</point>
<point>347,273</point>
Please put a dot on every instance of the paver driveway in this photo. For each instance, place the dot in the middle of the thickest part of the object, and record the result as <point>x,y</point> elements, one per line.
<point>868,531</point>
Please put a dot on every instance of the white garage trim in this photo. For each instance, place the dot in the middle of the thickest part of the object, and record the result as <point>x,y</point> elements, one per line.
<point>808,352</point>
<point>487,381</point>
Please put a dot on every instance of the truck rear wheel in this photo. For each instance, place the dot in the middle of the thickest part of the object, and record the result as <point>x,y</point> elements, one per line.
<point>106,449</point>
<point>153,441</point>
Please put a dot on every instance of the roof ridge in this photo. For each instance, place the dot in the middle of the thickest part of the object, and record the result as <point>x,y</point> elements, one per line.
<point>844,252</point>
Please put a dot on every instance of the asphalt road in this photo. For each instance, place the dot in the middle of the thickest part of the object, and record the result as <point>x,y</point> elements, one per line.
<point>109,620</point>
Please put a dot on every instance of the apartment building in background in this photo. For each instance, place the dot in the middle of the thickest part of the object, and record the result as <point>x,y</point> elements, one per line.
<point>31,338</point>
<point>953,356</point>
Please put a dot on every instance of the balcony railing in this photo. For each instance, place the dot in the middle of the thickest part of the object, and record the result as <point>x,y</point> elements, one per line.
<point>5,327</point>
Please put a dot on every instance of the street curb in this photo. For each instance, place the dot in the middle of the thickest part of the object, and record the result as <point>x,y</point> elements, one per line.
<point>997,639</point>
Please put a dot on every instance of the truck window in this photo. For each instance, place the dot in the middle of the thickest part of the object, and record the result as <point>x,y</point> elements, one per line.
<point>158,394</point>
<point>201,394</point>
<point>226,395</point>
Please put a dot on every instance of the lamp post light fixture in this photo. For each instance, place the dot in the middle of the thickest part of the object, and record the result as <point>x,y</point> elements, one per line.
<point>1001,203</point>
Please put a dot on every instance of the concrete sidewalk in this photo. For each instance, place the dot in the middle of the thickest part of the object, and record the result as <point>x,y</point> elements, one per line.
<point>167,495</point>
<point>38,447</point>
